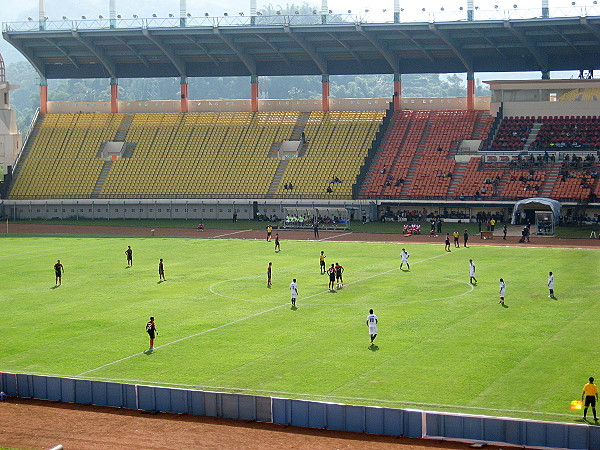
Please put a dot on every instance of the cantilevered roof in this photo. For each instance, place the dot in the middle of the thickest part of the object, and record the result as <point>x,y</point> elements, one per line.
<point>146,51</point>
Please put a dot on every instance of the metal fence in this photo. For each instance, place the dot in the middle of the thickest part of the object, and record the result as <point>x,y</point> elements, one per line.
<point>304,413</point>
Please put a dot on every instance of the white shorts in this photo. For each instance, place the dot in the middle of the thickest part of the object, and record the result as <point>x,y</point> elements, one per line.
<point>405,261</point>
<point>472,274</point>
<point>502,293</point>
<point>373,329</point>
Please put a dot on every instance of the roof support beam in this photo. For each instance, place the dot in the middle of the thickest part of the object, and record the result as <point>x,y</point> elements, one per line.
<point>347,47</point>
<point>273,47</point>
<point>540,58</point>
<point>60,49</point>
<point>204,49</point>
<point>37,64</point>
<point>591,28</point>
<point>98,53</point>
<point>419,46</point>
<point>567,40</point>
<point>456,49</point>
<point>391,59</point>
<point>489,41</point>
<point>133,50</point>
<point>170,54</point>
<point>308,48</point>
<point>246,60</point>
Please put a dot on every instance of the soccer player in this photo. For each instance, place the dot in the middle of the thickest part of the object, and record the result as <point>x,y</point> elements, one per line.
<point>294,291</point>
<point>277,246</point>
<point>151,330</point>
<point>590,391</point>
<point>322,262</point>
<point>331,273</point>
<point>465,238</point>
<point>551,284</point>
<point>372,324</point>
<point>339,269</point>
<point>502,291</point>
<point>316,229</point>
<point>456,235</point>
<point>269,231</point>
<point>129,254</point>
<point>269,284</point>
<point>447,244</point>
<point>504,231</point>
<point>58,270</point>
<point>472,272</point>
<point>161,271</point>
<point>405,257</point>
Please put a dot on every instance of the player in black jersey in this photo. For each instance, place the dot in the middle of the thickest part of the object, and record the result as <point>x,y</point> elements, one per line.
<point>151,330</point>
<point>339,269</point>
<point>269,284</point>
<point>331,273</point>
<point>58,270</point>
<point>129,254</point>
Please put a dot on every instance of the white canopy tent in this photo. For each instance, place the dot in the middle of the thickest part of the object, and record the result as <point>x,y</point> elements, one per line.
<point>538,203</point>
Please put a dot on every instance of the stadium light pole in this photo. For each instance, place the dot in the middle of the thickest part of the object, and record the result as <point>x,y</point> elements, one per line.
<point>396,11</point>
<point>545,9</point>
<point>324,11</point>
<point>182,13</point>
<point>470,10</point>
<point>42,16</point>
<point>252,12</point>
<point>112,13</point>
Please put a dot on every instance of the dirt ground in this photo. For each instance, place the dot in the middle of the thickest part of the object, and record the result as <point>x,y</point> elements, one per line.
<point>28,423</point>
<point>42,424</point>
<point>290,234</point>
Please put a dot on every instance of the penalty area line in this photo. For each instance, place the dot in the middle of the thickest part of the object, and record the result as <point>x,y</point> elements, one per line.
<point>228,234</point>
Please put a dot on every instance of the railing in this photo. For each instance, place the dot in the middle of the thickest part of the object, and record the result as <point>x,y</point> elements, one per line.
<point>409,14</point>
<point>26,137</point>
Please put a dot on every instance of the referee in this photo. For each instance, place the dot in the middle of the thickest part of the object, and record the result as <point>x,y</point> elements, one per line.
<point>590,392</point>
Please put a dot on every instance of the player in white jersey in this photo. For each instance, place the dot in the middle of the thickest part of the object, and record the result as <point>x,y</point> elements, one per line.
<point>372,323</point>
<point>551,284</point>
<point>502,291</point>
<point>294,291</point>
<point>472,278</point>
<point>405,257</point>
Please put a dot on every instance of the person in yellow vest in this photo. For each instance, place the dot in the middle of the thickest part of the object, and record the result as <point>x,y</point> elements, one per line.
<point>269,232</point>
<point>492,224</point>
<point>456,235</point>
<point>590,392</point>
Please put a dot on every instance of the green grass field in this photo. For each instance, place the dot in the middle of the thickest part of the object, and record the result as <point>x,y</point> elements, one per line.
<point>443,345</point>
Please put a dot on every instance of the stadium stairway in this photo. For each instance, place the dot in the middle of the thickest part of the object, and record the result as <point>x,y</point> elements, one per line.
<point>483,122</point>
<point>274,150</point>
<point>532,135</point>
<point>124,127</point>
<point>460,168</point>
<point>299,128</point>
<point>277,178</point>
<point>550,180</point>
<point>414,164</point>
<point>101,179</point>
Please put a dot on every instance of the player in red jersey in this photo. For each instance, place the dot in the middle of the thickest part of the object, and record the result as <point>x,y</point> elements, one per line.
<point>161,271</point>
<point>339,269</point>
<point>269,284</point>
<point>129,254</point>
<point>58,270</point>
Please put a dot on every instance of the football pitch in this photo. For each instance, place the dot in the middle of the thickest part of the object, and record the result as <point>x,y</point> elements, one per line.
<point>443,344</point>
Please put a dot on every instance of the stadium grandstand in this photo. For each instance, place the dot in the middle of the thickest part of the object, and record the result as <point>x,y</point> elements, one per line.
<point>209,159</point>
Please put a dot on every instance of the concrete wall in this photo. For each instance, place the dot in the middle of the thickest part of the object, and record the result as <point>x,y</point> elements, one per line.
<point>549,108</point>
<point>303,413</point>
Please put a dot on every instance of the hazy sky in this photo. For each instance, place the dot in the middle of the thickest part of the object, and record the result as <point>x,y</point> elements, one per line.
<point>20,10</point>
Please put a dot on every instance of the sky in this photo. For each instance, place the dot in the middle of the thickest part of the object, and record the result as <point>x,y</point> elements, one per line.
<point>426,10</point>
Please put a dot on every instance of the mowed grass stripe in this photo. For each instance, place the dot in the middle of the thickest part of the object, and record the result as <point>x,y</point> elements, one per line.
<point>463,350</point>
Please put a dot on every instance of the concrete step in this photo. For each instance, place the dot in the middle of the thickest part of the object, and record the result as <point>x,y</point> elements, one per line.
<point>277,178</point>
<point>101,179</point>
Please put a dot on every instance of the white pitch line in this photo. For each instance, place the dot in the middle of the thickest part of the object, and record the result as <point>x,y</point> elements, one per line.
<point>336,236</point>
<point>34,251</point>
<point>241,319</point>
<point>229,234</point>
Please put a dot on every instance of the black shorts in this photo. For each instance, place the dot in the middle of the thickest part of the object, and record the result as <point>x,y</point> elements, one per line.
<point>58,273</point>
<point>332,277</point>
<point>590,400</point>
<point>151,334</point>
<point>322,263</point>
<point>129,258</point>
